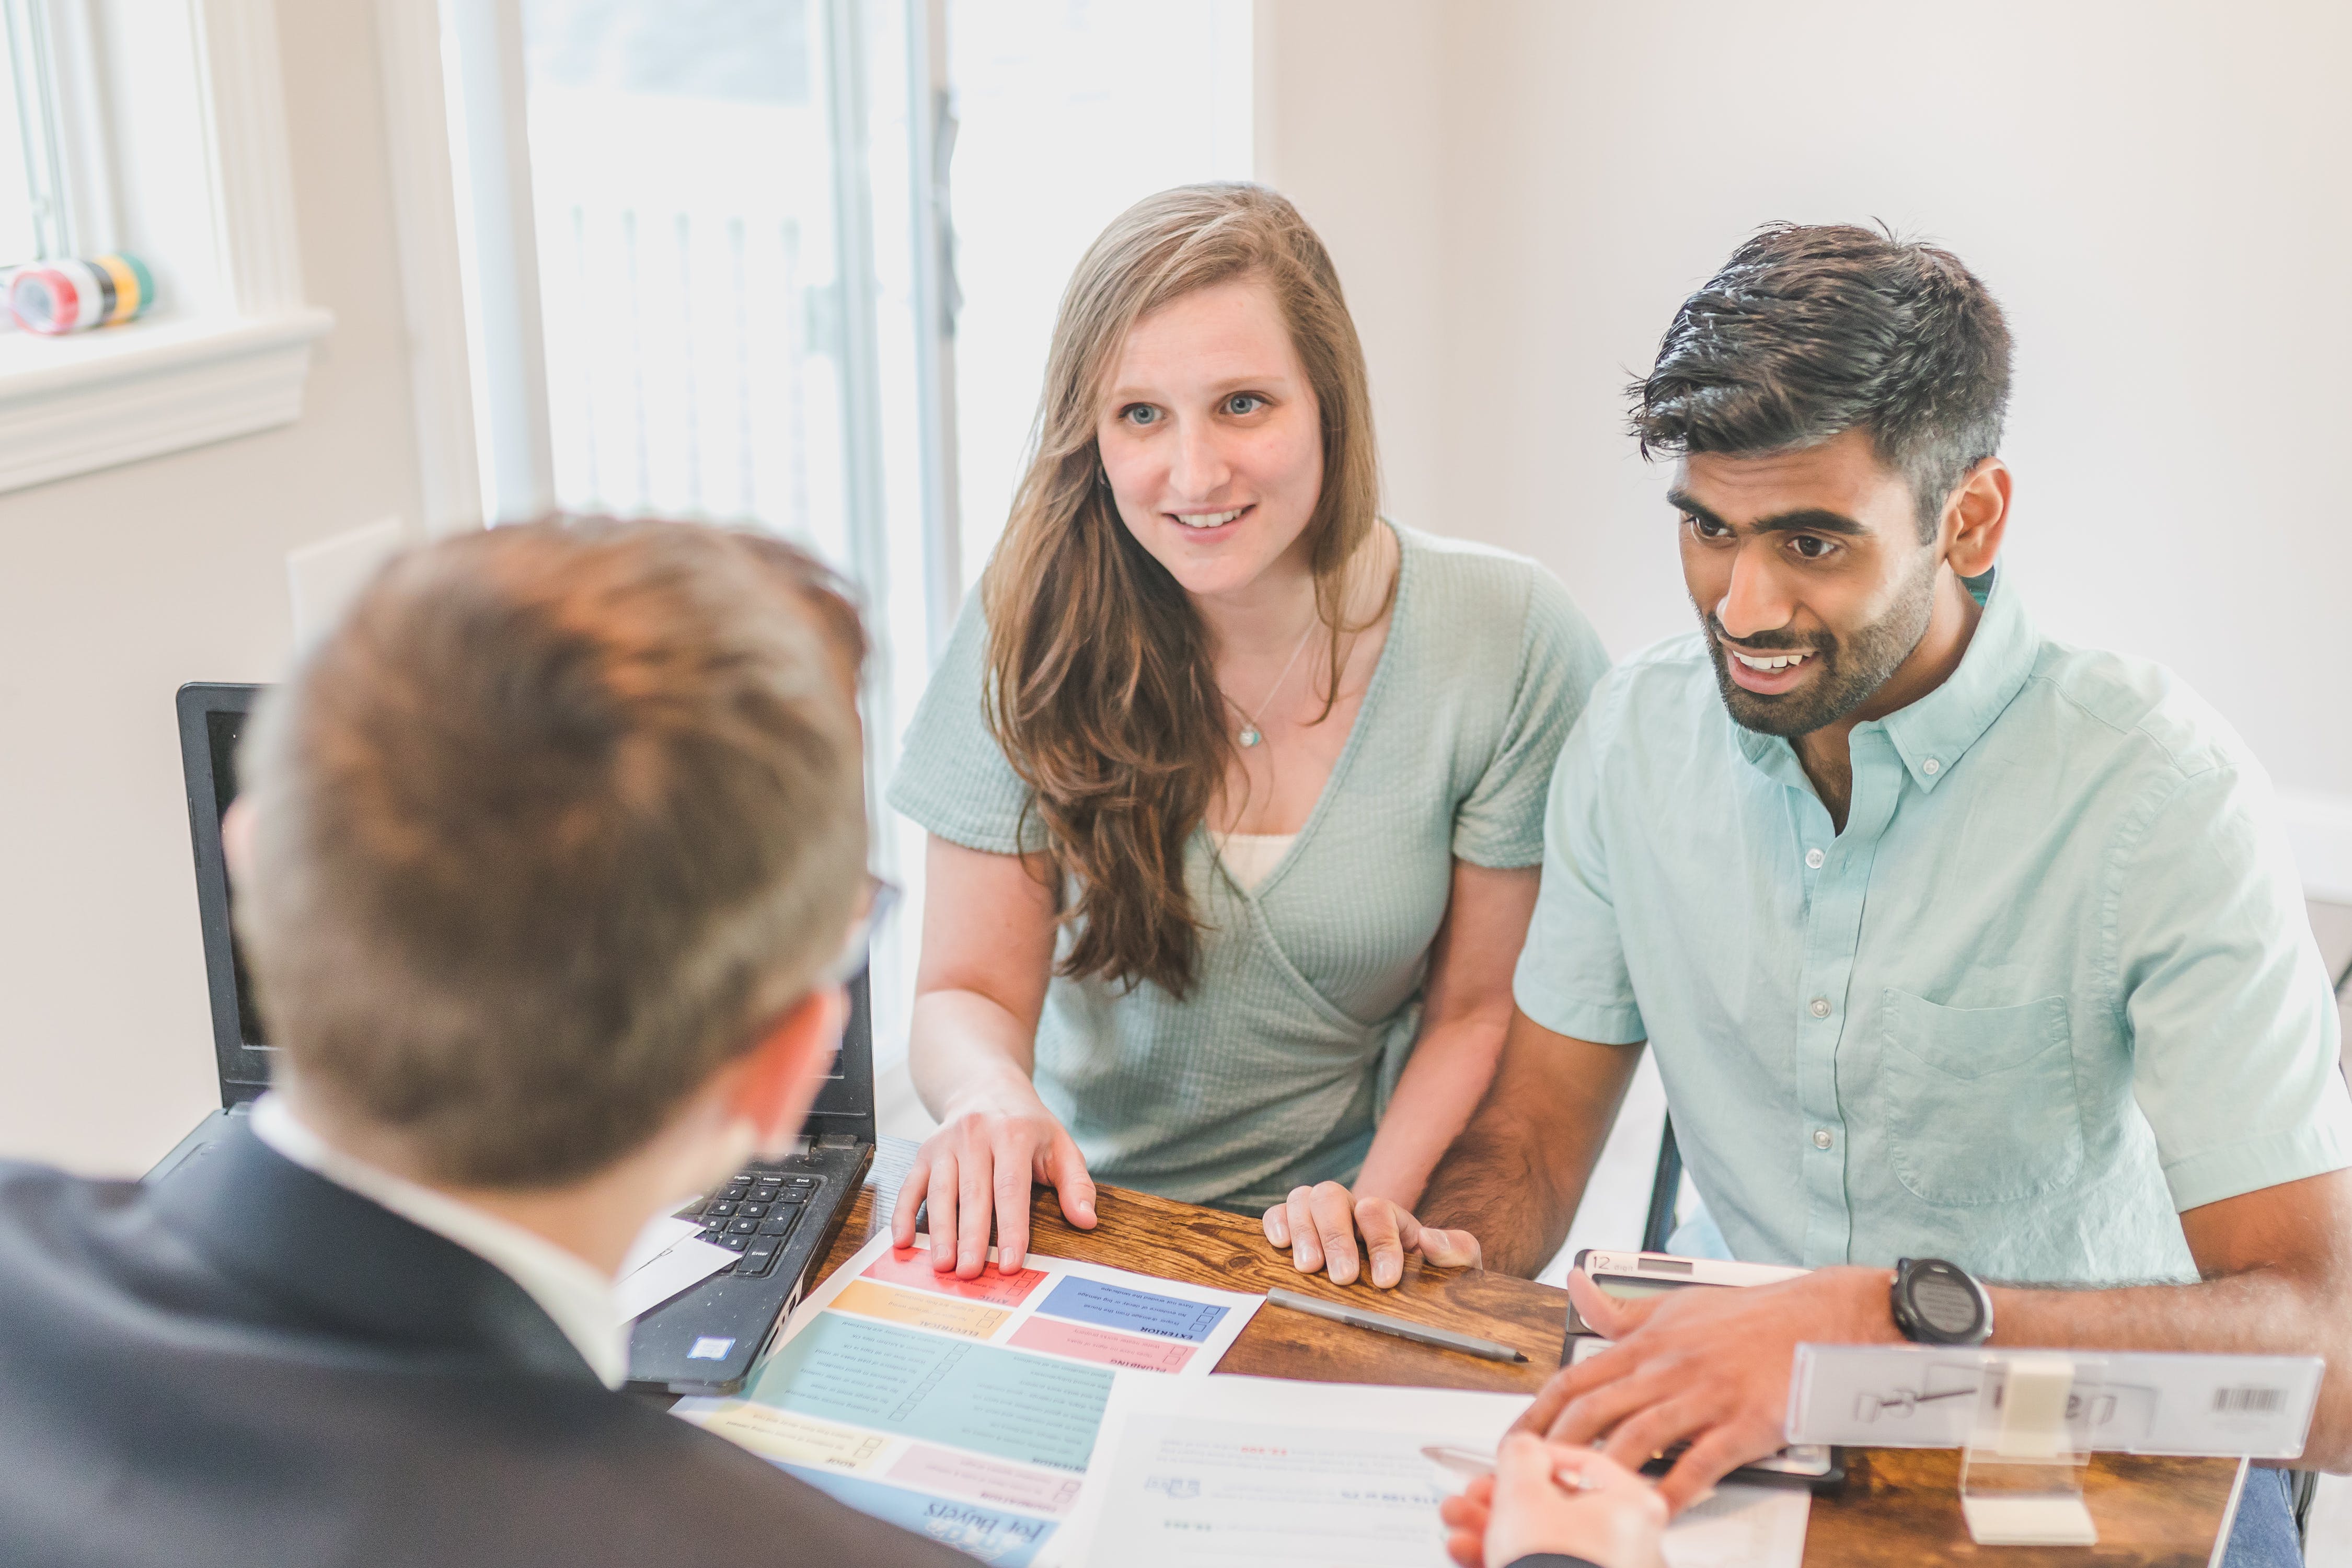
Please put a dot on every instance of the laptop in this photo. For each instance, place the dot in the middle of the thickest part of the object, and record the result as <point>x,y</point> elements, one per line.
<point>779,1216</point>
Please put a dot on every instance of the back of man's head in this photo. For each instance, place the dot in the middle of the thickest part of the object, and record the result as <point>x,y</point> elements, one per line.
<point>547,829</point>
<point>1808,331</point>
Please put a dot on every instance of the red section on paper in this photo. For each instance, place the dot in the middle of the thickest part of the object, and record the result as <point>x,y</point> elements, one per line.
<point>912,1266</point>
<point>1107,1346</point>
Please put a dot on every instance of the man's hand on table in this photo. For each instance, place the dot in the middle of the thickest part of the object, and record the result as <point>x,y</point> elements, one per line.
<point>1319,1225</point>
<point>1542,1498</point>
<point>1705,1367</point>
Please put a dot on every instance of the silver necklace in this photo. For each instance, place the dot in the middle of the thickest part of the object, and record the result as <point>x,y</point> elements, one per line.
<point>1250,734</point>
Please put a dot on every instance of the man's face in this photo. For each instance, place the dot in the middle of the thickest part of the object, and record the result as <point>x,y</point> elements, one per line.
<point>1808,575</point>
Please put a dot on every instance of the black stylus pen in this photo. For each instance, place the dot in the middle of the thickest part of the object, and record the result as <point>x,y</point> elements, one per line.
<point>1380,1322</point>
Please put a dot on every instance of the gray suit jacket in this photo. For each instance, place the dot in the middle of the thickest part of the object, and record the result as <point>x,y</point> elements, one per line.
<point>250,1366</point>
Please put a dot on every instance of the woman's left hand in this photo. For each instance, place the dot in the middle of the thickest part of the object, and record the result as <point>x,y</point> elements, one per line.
<point>1318,1224</point>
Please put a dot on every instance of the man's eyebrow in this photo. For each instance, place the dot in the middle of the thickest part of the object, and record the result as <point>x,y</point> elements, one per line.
<point>1806,519</point>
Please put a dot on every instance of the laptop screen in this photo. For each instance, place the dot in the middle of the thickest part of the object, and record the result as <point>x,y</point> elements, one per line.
<point>222,732</point>
<point>211,721</point>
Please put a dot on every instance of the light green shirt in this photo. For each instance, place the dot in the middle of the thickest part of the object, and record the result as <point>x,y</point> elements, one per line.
<point>2052,983</point>
<point>1273,1070</point>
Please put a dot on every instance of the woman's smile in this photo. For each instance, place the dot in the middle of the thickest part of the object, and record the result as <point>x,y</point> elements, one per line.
<point>1205,523</point>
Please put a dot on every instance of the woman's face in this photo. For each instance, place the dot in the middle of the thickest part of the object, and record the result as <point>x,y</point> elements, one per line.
<point>1211,439</point>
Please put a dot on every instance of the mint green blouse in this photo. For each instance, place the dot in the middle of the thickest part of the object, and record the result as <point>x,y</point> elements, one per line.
<point>1276,1068</point>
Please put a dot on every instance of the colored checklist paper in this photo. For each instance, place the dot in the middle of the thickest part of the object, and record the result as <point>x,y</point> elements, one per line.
<point>965,1410</point>
<point>1153,1312</point>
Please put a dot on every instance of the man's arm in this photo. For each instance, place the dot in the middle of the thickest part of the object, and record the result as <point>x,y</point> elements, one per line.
<point>2277,1266</point>
<point>1711,1367</point>
<point>1515,1176</point>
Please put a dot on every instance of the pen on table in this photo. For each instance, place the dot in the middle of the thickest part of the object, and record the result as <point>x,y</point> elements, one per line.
<point>1380,1322</point>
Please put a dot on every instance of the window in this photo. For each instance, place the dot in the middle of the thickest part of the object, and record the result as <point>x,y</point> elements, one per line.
<point>164,133</point>
<point>26,207</point>
<point>696,241</point>
<point>693,304</point>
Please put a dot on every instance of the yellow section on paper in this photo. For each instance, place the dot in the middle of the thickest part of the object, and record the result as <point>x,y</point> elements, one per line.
<point>781,1435</point>
<point>941,1314</point>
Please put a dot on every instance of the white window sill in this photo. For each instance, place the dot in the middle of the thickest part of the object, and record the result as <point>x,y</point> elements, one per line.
<point>91,400</point>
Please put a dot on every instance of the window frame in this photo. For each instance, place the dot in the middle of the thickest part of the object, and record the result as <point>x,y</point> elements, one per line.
<point>207,203</point>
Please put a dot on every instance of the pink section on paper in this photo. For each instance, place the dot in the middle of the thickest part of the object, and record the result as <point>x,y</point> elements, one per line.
<point>1106,1345</point>
<point>984,1480</point>
<point>912,1266</point>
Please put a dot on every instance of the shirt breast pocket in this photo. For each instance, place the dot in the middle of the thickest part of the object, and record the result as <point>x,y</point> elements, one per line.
<point>1980,1103</point>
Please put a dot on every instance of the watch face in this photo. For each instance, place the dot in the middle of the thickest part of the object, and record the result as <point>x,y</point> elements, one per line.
<point>1943,1302</point>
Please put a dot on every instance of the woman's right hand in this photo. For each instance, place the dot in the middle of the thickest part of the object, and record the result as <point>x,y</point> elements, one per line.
<point>980,1164</point>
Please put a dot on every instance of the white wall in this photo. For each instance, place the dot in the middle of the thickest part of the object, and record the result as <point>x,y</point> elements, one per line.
<point>1520,192</point>
<point>117,587</point>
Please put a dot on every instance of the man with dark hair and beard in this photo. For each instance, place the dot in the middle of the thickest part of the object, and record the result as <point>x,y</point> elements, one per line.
<point>1953,942</point>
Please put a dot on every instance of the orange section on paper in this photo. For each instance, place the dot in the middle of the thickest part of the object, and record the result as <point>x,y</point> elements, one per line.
<point>941,1314</point>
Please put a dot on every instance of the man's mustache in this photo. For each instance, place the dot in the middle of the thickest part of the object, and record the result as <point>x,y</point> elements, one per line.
<point>1769,642</point>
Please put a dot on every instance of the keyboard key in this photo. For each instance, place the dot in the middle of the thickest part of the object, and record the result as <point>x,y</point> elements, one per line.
<point>756,1263</point>
<point>731,1243</point>
<point>742,1227</point>
<point>736,1192</point>
<point>754,1211</point>
<point>722,1209</point>
<point>779,1225</point>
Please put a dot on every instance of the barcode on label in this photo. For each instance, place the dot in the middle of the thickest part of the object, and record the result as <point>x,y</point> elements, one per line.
<point>2248,1400</point>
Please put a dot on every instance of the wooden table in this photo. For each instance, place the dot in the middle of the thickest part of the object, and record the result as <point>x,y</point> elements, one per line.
<point>1898,1506</point>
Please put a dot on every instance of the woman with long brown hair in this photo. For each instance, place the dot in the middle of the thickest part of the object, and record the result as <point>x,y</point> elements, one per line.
<point>1235,789</point>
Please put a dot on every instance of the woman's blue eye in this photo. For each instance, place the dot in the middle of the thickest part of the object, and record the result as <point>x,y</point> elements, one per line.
<point>1243,403</point>
<point>1139,414</point>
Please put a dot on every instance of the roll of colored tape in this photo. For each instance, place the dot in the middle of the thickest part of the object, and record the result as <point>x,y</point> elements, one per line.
<point>75,294</point>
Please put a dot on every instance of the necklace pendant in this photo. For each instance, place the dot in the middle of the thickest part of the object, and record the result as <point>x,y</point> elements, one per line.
<point>1249,736</point>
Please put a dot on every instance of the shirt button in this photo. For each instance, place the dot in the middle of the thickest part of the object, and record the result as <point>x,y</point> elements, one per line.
<point>1820,1007</point>
<point>1930,767</point>
<point>1822,1139</point>
<point>1814,858</point>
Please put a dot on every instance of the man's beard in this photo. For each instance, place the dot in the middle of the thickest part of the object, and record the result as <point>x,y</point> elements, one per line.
<point>1852,669</point>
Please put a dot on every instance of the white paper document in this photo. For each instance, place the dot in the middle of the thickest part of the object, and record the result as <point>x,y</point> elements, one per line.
<point>659,1236</point>
<point>684,1264</point>
<point>966,1410</point>
<point>1742,1527</point>
<point>1245,1470</point>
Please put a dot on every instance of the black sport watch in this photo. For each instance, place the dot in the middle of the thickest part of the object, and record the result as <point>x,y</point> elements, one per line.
<point>1939,1303</point>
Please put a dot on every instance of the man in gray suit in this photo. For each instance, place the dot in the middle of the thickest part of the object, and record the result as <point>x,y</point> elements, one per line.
<point>547,862</point>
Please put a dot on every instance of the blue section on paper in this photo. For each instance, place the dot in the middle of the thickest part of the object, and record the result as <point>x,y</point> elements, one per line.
<point>1137,1311</point>
<point>1037,1409</point>
<point>980,1529</point>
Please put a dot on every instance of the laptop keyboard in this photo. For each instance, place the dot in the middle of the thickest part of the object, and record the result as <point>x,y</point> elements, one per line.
<point>754,1215</point>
